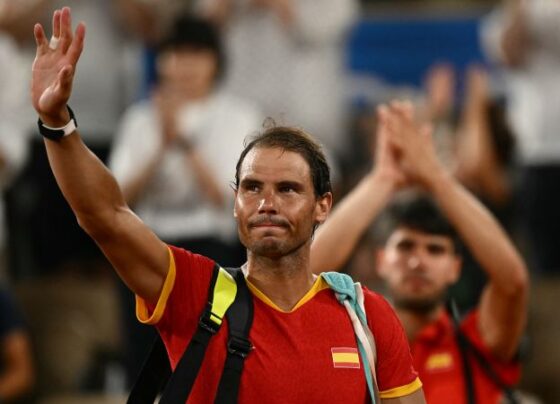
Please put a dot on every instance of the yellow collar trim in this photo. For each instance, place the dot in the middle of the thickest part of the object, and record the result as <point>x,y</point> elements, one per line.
<point>318,286</point>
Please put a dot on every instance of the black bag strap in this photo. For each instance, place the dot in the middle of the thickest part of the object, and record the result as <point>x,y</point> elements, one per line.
<point>467,370</point>
<point>466,346</point>
<point>240,320</point>
<point>157,370</point>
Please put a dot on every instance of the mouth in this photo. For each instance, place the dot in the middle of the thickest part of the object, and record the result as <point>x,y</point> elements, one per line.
<point>417,282</point>
<point>268,222</point>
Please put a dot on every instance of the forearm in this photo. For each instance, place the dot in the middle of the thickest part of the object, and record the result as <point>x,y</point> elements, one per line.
<point>338,236</point>
<point>87,185</point>
<point>482,234</point>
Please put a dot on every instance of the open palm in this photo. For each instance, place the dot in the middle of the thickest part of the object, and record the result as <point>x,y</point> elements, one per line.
<point>53,69</point>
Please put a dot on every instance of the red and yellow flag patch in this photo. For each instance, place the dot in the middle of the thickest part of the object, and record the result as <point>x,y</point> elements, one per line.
<point>345,358</point>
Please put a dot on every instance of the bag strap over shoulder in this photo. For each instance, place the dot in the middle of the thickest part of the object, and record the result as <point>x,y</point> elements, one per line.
<point>240,320</point>
<point>156,371</point>
<point>466,347</point>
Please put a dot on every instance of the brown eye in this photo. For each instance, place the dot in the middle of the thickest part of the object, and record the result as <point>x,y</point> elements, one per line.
<point>436,249</point>
<point>405,246</point>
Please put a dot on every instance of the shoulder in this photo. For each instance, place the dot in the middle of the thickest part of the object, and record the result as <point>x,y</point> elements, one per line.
<point>187,260</point>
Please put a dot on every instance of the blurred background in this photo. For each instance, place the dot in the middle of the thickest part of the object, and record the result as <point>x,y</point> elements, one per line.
<point>485,73</point>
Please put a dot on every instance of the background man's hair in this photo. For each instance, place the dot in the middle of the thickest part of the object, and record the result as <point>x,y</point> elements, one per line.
<point>189,31</point>
<point>297,141</point>
<point>416,211</point>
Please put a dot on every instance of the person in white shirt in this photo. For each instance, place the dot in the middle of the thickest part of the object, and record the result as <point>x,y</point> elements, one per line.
<point>174,152</point>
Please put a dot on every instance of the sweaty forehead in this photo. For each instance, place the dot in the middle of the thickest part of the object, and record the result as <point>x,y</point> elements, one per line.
<point>263,163</point>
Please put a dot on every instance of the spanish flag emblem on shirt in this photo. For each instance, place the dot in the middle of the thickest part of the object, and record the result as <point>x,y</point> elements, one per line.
<point>345,358</point>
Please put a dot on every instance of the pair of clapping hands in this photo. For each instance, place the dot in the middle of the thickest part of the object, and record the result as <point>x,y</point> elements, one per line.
<point>405,154</point>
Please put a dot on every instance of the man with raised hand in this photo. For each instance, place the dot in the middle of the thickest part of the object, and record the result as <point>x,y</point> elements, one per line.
<point>282,192</point>
<point>420,260</point>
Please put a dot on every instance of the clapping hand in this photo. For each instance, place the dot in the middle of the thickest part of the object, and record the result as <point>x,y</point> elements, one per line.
<point>410,145</point>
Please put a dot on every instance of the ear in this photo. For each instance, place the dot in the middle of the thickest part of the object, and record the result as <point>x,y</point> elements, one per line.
<point>323,207</point>
<point>235,203</point>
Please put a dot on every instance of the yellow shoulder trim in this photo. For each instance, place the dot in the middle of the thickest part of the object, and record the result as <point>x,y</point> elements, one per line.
<point>402,390</point>
<point>142,312</point>
<point>319,285</point>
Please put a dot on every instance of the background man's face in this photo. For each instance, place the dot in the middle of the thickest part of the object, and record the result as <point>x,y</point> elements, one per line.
<point>275,205</point>
<point>418,268</point>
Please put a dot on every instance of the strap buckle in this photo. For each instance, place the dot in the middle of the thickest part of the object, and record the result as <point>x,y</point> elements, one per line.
<point>239,346</point>
<point>207,324</point>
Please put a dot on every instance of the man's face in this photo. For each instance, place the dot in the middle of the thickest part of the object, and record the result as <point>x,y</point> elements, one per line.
<point>189,70</point>
<point>275,206</point>
<point>418,268</point>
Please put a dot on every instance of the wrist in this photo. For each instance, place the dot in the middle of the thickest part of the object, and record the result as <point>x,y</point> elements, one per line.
<point>438,182</point>
<point>56,131</point>
<point>382,183</point>
<point>57,119</point>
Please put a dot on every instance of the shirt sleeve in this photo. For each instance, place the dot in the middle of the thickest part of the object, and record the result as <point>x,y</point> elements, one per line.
<point>396,376</point>
<point>509,372</point>
<point>181,301</point>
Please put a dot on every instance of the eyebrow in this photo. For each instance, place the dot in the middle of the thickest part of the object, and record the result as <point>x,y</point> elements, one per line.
<point>250,181</point>
<point>292,184</point>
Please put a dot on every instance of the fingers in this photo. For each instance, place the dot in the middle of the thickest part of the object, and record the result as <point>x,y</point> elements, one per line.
<point>65,29</point>
<point>40,39</point>
<point>53,43</point>
<point>77,45</point>
<point>56,24</point>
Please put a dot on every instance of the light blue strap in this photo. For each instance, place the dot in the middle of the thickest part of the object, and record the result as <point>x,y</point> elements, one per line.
<point>345,290</point>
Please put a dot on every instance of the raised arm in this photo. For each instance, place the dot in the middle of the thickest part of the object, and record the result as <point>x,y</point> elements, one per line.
<point>503,306</point>
<point>139,257</point>
<point>338,236</point>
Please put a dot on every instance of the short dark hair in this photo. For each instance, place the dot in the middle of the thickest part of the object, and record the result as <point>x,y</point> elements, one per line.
<point>298,141</point>
<point>189,31</point>
<point>417,211</point>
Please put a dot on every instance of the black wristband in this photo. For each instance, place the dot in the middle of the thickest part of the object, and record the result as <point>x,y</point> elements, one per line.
<point>58,133</point>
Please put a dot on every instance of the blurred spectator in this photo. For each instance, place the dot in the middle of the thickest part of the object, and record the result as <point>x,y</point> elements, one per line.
<point>524,37</point>
<point>286,55</point>
<point>421,258</point>
<point>13,124</point>
<point>16,363</point>
<point>175,153</point>
<point>113,62</point>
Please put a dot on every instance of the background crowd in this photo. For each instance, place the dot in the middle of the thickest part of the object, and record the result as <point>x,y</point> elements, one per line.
<point>485,74</point>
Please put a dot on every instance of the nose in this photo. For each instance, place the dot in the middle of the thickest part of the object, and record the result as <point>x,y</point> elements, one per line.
<point>267,204</point>
<point>414,262</point>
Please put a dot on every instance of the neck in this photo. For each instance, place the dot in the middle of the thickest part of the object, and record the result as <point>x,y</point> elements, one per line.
<point>413,321</point>
<point>283,280</point>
